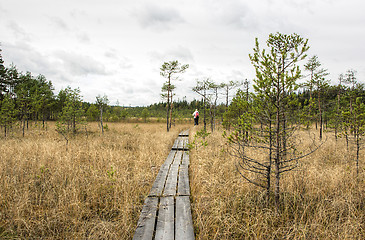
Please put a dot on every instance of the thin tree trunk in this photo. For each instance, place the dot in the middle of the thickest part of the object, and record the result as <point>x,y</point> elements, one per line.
<point>320,115</point>
<point>357,154</point>
<point>205,122</point>
<point>168,106</point>
<point>23,127</point>
<point>171,106</point>
<point>277,160</point>
<point>268,175</point>
<point>74,124</point>
<point>101,120</point>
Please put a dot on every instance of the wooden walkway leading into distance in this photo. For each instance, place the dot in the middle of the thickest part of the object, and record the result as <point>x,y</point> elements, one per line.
<point>166,213</point>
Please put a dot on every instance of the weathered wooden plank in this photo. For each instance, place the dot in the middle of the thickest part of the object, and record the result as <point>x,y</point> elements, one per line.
<point>158,185</point>
<point>180,146</point>
<point>170,157</point>
<point>160,180</point>
<point>178,157</point>
<point>183,181</point>
<point>181,143</point>
<point>176,144</point>
<point>184,222</point>
<point>185,159</point>
<point>173,217</point>
<point>147,219</point>
<point>171,181</point>
<point>185,144</point>
<point>166,219</point>
<point>184,133</point>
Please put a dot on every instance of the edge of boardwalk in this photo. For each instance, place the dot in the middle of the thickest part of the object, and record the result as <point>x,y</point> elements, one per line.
<point>166,212</point>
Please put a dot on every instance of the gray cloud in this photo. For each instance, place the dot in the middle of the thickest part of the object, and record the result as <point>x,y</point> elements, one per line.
<point>158,17</point>
<point>123,62</point>
<point>59,23</point>
<point>26,57</point>
<point>83,37</point>
<point>234,13</point>
<point>179,53</point>
<point>18,31</point>
<point>80,65</point>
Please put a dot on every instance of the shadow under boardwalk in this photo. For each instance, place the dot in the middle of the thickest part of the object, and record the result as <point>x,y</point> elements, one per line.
<point>166,213</point>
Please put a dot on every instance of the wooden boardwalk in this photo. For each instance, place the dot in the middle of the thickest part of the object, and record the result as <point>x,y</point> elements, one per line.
<point>166,213</point>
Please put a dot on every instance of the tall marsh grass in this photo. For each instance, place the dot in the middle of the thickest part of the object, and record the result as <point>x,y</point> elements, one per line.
<point>93,190</point>
<point>321,199</point>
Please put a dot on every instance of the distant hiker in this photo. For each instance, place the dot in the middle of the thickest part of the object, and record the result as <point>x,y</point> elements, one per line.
<point>196,117</point>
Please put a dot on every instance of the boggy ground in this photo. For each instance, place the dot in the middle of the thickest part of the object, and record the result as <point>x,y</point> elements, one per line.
<point>321,199</point>
<point>94,189</point>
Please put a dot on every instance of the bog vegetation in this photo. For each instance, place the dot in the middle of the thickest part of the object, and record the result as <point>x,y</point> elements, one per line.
<point>278,157</point>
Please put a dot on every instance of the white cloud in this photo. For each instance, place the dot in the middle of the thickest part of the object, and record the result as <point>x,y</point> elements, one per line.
<point>158,17</point>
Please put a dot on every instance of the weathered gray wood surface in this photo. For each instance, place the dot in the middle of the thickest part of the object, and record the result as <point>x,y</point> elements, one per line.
<point>184,221</point>
<point>181,143</point>
<point>159,183</point>
<point>166,213</point>
<point>183,186</point>
<point>165,228</point>
<point>147,219</point>
<point>184,133</point>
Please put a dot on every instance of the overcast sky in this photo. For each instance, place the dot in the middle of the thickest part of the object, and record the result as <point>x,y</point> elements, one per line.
<point>116,47</point>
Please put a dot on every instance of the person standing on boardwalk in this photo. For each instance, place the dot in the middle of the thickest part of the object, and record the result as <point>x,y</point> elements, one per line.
<point>196,117</point>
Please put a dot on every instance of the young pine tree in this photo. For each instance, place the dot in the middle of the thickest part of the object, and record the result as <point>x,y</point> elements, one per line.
<point>272,121</point>
<point>169,70</point>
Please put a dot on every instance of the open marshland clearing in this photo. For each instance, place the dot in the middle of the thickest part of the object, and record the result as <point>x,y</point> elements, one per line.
<point>95,188</point>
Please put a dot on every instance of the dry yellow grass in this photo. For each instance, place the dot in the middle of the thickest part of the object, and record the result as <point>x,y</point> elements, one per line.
<point>320,200</point>
<point>94,190</point>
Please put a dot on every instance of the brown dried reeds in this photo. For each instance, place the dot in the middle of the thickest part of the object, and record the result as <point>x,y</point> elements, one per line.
<point>93,190</point>
<point>321,199</point>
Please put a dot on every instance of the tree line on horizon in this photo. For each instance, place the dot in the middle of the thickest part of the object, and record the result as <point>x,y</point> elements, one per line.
<point>26,98</point>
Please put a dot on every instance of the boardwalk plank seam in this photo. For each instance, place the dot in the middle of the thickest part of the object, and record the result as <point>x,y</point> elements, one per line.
<point>166,213</point>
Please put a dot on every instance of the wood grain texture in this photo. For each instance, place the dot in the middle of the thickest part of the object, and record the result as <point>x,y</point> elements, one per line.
<point>147,219</point>
<point>184,222</point>
<point>165,228</point>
